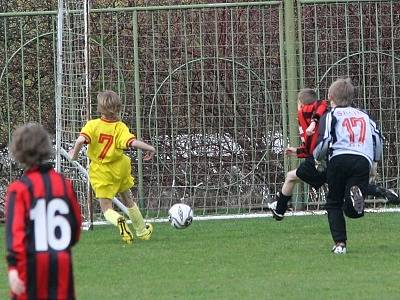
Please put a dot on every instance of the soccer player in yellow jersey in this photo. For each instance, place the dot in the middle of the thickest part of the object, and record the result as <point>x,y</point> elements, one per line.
<point>110,168</point>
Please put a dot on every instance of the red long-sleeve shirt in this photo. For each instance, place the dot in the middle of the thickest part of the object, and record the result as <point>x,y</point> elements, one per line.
<point>43,221</point>
<point>305,115</point>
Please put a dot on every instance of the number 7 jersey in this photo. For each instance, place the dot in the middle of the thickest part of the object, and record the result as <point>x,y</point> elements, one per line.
<point>106,139</point>
<point>347,130</point>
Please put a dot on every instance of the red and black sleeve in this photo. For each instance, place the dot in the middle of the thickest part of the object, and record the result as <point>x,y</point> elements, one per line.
<point>302,151</point>
<point>15,224</point>
<point>321,108</point>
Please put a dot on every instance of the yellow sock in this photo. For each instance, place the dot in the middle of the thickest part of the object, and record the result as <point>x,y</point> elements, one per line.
<point>112,216</point>
<point>137,219</point>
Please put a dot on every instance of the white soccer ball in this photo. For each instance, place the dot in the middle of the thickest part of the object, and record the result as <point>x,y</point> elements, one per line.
<point>180,215</point>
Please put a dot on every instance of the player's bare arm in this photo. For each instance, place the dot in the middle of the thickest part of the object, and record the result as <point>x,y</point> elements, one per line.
<point>74,152</point>
<point>291,151</point>
<point>149,150</point>
<point>311,128</point>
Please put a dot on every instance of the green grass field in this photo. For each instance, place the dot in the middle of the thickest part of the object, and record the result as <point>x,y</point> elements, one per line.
<point>240,259</point>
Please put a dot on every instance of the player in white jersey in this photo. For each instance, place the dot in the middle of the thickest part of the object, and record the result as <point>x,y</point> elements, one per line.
<point>350,141</point>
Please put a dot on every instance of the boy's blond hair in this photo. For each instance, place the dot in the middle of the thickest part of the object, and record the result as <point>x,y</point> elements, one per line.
<point>341,92</point>
<point>30,145</point>
<point>307,96</point>
<point>108,104</point>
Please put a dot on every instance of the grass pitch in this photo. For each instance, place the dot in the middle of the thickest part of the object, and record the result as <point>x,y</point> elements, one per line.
<point>240,259</point>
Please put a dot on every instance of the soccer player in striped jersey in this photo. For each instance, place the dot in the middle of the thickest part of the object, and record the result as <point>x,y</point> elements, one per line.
<point>43,221</point>
<point>350,140</point>
<point>110,169</point>
<point>310,109</point>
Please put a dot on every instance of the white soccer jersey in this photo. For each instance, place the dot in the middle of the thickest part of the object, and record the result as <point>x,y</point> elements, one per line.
<point>347,130</point>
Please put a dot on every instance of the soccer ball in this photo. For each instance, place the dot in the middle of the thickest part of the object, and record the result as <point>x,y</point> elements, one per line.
<point>180,215</point>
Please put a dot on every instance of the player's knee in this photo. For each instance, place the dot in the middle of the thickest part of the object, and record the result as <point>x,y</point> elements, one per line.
<point>291,176</point>
<point>105,204</point>
<point>127,198</point>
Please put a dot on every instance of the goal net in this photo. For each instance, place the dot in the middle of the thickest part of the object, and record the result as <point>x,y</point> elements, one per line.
<point>73,105</point>
<point>72,92</point>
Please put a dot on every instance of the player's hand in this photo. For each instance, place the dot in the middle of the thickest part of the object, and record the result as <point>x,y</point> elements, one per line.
<point>291,151</point>
<point>149,154</point>
<point>311,129</point>
<point>17,286</point>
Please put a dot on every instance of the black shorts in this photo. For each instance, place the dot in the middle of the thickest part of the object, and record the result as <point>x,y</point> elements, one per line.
<point>308,173</point>
<point>345,171</point>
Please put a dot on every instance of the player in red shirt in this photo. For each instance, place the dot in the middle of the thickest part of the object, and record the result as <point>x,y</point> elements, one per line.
<point>310,109</point>
<point>43,221</point>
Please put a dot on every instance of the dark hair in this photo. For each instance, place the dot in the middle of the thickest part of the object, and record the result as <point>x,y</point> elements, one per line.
<point>30,145</point>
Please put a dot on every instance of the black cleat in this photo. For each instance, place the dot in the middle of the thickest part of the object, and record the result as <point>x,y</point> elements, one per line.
<point>390,195</point>
<point>275,215</point>
<point>357,199</point>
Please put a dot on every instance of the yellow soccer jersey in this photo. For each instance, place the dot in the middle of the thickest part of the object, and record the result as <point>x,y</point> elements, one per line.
<point>106,139</point>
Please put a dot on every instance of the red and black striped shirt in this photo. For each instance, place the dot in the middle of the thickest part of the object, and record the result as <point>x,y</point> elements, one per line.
<point>43,222</point>
<point>309,112</point>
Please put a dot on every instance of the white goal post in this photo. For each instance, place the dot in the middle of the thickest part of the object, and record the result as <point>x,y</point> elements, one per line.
<point>73,97</point>
<point>72,94</point>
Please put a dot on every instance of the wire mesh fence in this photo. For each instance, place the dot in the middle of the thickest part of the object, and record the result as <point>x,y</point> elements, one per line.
<point>206,86</point>
<point>358,39</point>
<point>206,104</point>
